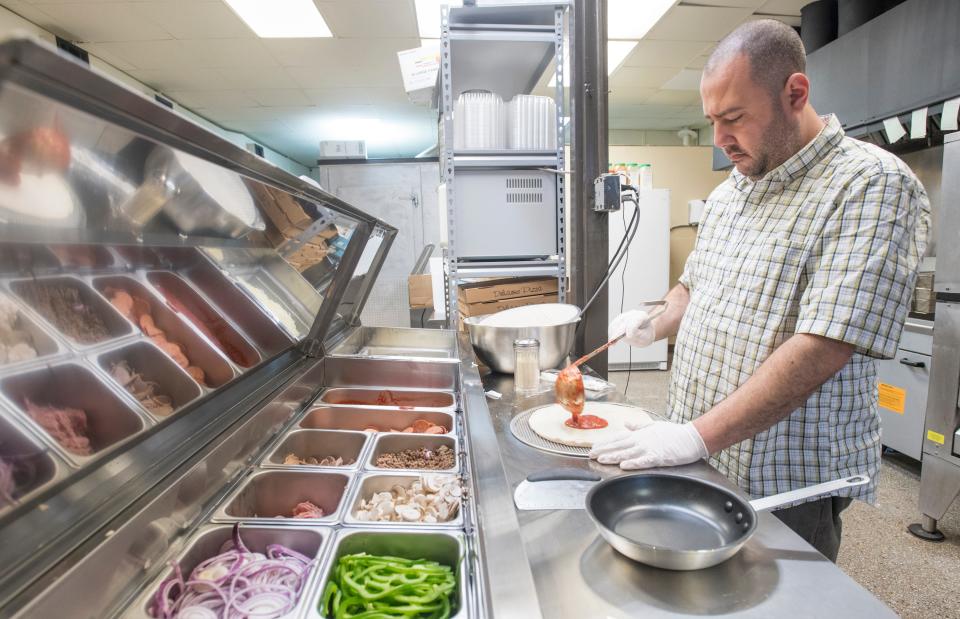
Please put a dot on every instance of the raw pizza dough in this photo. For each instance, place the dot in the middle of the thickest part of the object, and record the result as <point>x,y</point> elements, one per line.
<point>549,423</point>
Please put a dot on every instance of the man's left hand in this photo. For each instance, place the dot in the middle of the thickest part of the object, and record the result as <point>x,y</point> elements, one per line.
<point>661,443</point>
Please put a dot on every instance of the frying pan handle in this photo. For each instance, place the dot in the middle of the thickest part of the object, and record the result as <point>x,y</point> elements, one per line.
<point>561,473</point>
<point>777,500</point>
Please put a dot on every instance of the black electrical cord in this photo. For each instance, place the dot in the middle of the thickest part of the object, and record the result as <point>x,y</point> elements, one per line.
<point>618,255</point>
<point>623,294</point>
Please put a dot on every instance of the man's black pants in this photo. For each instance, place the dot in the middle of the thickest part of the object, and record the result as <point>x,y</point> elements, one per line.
<point>818,522</point>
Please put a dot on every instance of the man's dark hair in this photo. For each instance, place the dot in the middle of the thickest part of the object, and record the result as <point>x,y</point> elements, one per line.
<point>773,48</point>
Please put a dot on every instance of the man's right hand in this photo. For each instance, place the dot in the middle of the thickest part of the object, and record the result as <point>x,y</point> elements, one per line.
<point>636,326</point>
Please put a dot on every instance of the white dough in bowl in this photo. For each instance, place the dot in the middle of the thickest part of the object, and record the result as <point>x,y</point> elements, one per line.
<point>224,187</point>
<point>541,315</point>
<point>44,197</point>
<point>549,423</point>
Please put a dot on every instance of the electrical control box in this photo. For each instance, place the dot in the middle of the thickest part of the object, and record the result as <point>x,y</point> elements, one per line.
<point>606,193</point>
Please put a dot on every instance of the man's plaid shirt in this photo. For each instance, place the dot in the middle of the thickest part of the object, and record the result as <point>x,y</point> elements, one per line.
<point>828,243</point>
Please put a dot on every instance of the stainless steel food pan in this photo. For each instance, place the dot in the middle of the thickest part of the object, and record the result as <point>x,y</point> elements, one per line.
<point>344,444</point>
<point>44,342</point>
<point>153,365</point>
<point>370,419</point>
<point>372,483</point>
<point>34,466</point>
<point>311,542</point>
<point>234,345</point>
<point>444,547</point>
<point>390,397</point>
<point>117,326</point>
<point>83,257</point>
<point>395,343</point>
<point>271,496</point>
<point>110,420</point>
<point>198,351</point>
<point>394,443</point>
<point>257,325</point>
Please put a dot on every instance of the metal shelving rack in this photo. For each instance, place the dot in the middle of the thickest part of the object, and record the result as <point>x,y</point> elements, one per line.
<point>504,30</point>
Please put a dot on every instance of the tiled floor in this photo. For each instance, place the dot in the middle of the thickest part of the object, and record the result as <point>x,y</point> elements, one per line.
<point>917,579</point>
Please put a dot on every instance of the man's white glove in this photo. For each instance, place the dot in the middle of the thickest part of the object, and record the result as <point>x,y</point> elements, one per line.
<point>660,443</point>
<point>635,325</point>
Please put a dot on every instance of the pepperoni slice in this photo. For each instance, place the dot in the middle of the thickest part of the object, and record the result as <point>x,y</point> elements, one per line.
<point>586,422</point>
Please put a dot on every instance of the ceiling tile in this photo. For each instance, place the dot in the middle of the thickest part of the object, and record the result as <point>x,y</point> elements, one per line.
<point>629,78</point>
<point>228,53</point>
<point>686,79</point>
<point>189,19</point>
<point>352,96</point>
<point>783,7</point>
<point>631,96</point>
<point>200,99</point>
<point>26,10</point>
<point>273,97</point>
<point>745,4</point>
<point>169,55</point>
<point>370,19</point>
<point>345,76</point>
<point>180,78</point>
<point>698,23</point>
<point>252,113</point>
<point>698,63</point>
<point>103,52</point>
<point>100,22</point>
<point>665,53</point>
<point>337,52</point>
<point>647,111</point>
<point>240,78</point>
<point>675,97</point>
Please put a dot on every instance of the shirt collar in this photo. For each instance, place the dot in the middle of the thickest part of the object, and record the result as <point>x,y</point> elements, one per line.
<point>829,137</point>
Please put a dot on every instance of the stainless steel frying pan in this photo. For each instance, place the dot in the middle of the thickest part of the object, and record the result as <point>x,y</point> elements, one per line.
<point>663,519</point>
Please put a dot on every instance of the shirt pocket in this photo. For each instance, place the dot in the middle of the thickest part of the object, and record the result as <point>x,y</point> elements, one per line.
<point>768,276</point>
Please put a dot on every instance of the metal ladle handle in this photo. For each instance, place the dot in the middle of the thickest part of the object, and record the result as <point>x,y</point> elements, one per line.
<point>778,500</point>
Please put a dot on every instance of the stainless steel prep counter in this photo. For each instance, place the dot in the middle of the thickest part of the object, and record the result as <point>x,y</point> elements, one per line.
<point>554,563</point>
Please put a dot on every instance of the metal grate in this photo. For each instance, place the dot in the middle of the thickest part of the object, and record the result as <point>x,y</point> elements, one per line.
<point>524,190</point>
<point>520,427</point>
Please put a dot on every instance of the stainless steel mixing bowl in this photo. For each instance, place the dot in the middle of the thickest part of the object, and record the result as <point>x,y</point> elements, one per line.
<point>494,345</point>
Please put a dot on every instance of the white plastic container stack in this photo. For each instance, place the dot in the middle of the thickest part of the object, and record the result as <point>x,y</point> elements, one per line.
<point>479,122</point>
<point>532,123</point>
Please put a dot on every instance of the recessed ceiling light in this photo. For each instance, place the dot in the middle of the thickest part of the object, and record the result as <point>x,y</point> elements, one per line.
<point>617,52</point>
<point>275,19</point>
<point>428,16</point>
<point>629,19</point>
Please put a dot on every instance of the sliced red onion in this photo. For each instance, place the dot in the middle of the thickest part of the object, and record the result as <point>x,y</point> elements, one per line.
<point>236,583</point>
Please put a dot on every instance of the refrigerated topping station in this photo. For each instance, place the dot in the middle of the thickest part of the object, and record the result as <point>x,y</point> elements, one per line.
<point>190,429</point>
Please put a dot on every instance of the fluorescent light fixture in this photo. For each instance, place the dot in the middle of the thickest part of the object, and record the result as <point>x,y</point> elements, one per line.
<point>278,19</point>
<point>617,52</point>
<point>629,19</point>
<point>428,16</point>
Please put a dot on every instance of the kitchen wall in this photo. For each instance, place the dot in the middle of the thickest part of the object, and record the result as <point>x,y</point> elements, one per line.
<point>686,172</point>
<point>12,24</point>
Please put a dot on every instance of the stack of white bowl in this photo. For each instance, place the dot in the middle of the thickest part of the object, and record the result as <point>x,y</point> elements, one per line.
<point>532,123</point>
<point>479,122</point>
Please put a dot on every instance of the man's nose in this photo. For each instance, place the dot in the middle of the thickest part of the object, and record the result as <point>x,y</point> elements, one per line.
<point>722,137</point>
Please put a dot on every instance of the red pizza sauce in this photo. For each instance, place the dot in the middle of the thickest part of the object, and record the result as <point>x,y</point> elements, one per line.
<point>586,422</point>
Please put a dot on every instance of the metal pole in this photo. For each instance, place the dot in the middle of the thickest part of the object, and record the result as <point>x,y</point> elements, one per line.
<point>588,97</point>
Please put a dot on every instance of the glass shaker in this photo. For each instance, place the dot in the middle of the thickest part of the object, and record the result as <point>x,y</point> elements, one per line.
<point>526,374</point>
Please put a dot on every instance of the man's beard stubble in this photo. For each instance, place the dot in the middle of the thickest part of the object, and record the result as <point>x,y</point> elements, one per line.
<point>781,141</point>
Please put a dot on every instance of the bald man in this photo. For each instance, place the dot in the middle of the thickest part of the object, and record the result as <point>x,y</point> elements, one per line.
<point>800,278</point>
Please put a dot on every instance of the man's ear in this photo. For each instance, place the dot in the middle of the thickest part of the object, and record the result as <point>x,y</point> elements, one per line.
<point>797,90</point>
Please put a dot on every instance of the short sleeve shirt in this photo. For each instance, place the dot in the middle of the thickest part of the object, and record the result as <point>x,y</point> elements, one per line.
<point>828,244</point>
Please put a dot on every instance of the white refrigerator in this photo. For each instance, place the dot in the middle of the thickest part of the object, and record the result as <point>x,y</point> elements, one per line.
<point>643,275</point>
